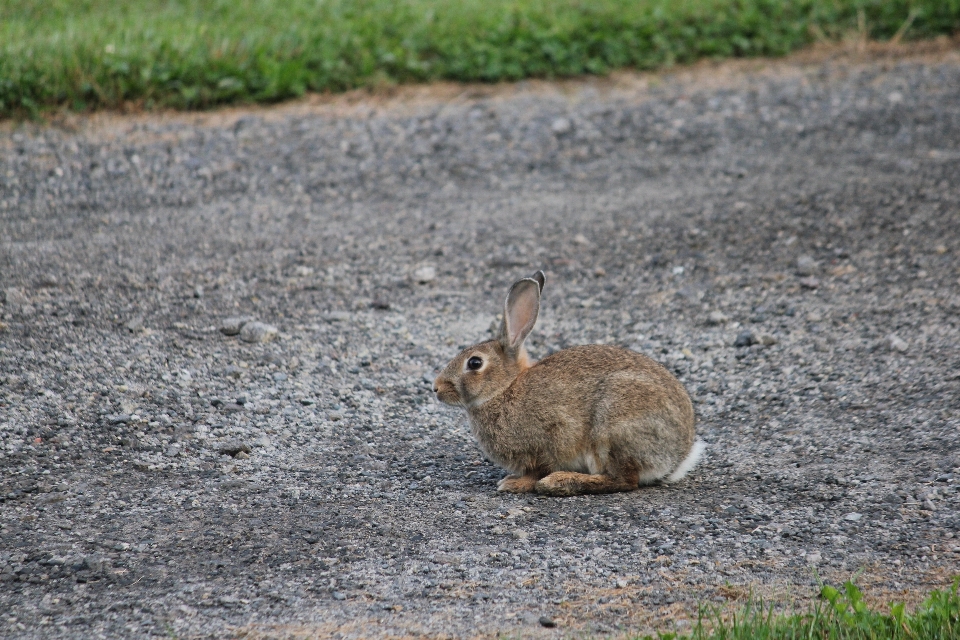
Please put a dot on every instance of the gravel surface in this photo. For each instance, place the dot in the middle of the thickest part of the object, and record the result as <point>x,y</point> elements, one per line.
<point>218,334</point>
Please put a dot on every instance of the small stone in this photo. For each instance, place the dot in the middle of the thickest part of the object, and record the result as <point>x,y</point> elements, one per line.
<point>717,317</point>
<point>232,326</point>
<point>134,325</point>
<point>767,340</point>
<point>233,371</point>
<point>339,596</point>
<point>380,304</point>
<point>279,377</point>
<point>813,558</point>
<point>892,498</point>
<point>853,517</point>
<point>896,343</point>
<point>15,296</point>
<point>806,266</point>
<point>92,564</point>
<point>48,281</point>
<point>745,339</point>
<point>242,455</point>
<point>561,126</point>
<point>425,274</point>
<point>337,316</point>
<point>547,622</point>
<point>927,505</point>
<point>813,316</point>
<point>121,418</point>
<point>810,282</point>
<point>258,332</point>
<point>520,534</point>
<point>232,447</point>
<point>599,272</point>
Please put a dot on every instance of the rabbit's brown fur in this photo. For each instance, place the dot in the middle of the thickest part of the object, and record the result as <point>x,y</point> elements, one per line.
<point>589,419</point>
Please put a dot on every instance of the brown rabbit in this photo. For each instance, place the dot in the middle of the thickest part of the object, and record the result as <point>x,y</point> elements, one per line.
<point>588,419</point>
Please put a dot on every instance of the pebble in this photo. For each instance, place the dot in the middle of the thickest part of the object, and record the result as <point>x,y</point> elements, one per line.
<point>232,447</point>
<point>15,296</point>
<point>806,266</point>
<point>716,318</point>
<point>547,622</point>
<point>425,274</point>
<point>134,324</point>
<point>47,281</point>
<point>561,126</point>
<point>810,282</point>
<point>896,343</point>
<point>766,339</point>
<point>745,339</point>
<point>232,326</point>
<point>255,332</point>
<point>853,517</point>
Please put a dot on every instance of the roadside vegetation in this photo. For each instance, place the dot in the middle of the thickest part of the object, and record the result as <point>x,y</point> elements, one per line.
<point>839,615</point>
<point>190,54</point>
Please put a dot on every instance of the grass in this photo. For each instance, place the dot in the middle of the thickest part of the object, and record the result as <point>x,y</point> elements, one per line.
<point>87,54</point>
<point>840,615</point>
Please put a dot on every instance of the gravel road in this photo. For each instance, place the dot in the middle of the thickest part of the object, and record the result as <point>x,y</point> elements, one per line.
<point>784,236</point>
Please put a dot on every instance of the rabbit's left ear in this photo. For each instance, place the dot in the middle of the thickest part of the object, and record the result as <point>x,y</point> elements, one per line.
<point>520,312</point>
<point>540,278</point>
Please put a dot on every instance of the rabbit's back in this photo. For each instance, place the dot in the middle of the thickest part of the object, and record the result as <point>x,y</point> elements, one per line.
<point>579,406</point>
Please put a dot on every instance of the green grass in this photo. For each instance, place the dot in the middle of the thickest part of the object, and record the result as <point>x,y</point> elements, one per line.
<point>86,54</point>
<point>840,615</point>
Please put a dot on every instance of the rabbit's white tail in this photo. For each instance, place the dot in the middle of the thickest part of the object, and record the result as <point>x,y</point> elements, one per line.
<point>689,462</point>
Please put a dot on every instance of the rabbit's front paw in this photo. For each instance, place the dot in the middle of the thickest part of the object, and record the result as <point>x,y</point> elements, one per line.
<point>517,484</point>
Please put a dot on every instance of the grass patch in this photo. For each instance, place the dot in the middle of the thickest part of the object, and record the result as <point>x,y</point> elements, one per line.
<point>86,54</point>
<point>839,615</point>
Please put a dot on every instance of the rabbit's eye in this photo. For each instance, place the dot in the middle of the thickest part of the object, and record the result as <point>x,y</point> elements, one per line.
<point>474,363</point>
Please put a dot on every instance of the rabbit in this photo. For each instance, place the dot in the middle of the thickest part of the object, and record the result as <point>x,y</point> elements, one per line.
<point>587,419</point>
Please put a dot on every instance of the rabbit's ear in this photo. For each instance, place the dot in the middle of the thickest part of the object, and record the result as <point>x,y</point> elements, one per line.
<point>519,313</point>
<point>540,278</point>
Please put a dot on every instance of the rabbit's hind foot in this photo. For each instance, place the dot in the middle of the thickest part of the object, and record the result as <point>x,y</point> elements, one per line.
<point>569,483</point>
